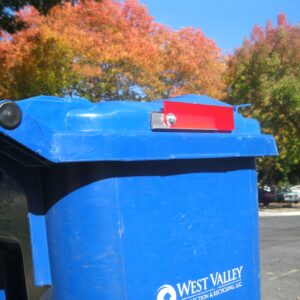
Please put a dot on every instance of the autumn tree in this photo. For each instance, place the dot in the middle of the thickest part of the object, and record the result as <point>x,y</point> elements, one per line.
<point>9,20</point>
<point>106,50</point>
<point>265,71</point>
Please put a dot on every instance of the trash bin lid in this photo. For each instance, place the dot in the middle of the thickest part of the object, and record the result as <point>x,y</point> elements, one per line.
<point>186,127</point>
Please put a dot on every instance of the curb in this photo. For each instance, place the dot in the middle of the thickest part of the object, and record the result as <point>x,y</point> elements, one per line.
<point>278,213</point>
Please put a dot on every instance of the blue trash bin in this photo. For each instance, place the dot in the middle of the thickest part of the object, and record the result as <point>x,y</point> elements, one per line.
<point>132,200</point>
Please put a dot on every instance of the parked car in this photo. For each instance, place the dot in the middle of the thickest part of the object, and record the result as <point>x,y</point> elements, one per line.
<point>288,195</point>
<point>296,189</point>
<point>266,196</point>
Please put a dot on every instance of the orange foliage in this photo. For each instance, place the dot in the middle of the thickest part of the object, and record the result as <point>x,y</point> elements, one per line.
<point>105,50</point>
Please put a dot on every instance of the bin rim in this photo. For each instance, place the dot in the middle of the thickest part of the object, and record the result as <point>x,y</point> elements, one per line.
<point>76,130</point>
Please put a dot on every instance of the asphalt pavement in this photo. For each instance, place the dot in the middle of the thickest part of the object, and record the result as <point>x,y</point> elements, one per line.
<point>280,253</point>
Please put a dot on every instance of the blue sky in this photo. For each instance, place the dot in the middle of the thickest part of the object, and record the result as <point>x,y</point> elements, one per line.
<point>226,22</point>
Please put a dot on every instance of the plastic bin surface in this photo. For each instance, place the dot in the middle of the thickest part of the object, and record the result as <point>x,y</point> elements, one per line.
<point>135,213</point>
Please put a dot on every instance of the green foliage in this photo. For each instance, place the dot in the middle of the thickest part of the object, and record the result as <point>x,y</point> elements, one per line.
<point>46,69</point>
<point>265,71</point>
<point>9,20</point>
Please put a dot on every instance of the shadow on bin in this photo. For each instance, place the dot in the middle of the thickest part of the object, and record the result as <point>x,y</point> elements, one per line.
<point>129,200</point>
